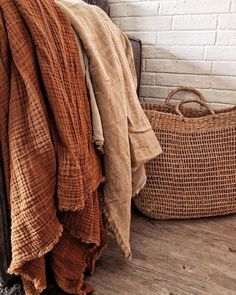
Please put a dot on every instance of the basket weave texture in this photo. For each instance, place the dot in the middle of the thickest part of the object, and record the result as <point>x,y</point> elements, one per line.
<point>196,174</point>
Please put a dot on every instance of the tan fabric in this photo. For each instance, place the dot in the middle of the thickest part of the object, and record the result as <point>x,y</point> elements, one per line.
<point>98,137</point>
<point>129,139</point>
<point>45,134</point>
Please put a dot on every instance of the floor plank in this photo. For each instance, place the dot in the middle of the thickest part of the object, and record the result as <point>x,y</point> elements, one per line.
<point>189,257</point>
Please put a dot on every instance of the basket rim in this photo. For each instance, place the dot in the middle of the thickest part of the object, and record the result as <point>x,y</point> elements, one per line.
<point>226,112</point>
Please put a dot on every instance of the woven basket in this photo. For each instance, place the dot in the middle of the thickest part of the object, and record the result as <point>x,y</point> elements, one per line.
<point>196,174</point>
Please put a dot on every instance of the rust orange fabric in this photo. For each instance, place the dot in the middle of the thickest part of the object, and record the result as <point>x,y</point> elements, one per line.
<point>51,167</point>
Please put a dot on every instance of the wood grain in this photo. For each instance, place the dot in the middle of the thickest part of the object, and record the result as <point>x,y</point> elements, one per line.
<point>190,257</point>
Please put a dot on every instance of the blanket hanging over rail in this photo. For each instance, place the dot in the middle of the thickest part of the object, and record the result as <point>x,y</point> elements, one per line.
<point>51,168</point>
<point>129,139</point>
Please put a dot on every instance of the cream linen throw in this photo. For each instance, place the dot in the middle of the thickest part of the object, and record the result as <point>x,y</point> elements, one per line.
<point>129,139</point>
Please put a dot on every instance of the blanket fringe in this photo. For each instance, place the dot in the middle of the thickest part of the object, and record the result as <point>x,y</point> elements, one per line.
<point>125,248</point>
<point>138,190</point>
<point>16,268</point>
<point>115,230</point>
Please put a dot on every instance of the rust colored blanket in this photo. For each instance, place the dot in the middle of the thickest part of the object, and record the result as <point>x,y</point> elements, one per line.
<point>51,168</point>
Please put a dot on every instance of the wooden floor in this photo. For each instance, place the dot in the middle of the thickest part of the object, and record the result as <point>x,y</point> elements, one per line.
<point>172,258</point>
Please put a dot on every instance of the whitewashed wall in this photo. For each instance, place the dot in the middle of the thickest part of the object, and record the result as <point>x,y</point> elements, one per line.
<point>186,42</point>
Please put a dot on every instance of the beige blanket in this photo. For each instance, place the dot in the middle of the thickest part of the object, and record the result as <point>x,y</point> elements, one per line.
<point>129,139</point>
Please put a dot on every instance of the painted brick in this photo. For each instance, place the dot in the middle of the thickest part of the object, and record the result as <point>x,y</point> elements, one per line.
<point>142,8</point>
<point>178,66</point>
<point>118,10</point>
<point>226,38</point>
<point>195,22</point>
<point>224,68</point>
<point>146,37</point>
<point>233,6</point>
<point>185,42</point>
<point>143,65</point>
<point>157,23</point>
<point>194,7</point>
<point>227,22</point>
<point>223,82</point>
<point>188,52</point>
<point>147,79</point>
<point>221,53</point>
<point>219,96</point>
<point>176,80</point>
<point>157,52</point>
<point>153,100</point>
<point>199,81</point>
<point>187,38</point>
<point>153,91</point>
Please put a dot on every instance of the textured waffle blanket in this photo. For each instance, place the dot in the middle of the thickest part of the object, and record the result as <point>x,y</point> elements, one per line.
<point>51,167</point>
<point>129,139</point>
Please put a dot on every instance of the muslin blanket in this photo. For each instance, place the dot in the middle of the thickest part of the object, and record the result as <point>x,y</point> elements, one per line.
<point>129,139</point>
<point>51,168</point>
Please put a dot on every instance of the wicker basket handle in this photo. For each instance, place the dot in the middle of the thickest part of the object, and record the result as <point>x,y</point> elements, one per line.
<point>202,103</point>
<point>189,89</point>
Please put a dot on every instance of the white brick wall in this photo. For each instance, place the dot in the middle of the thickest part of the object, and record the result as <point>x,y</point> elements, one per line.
<point>185,42</point>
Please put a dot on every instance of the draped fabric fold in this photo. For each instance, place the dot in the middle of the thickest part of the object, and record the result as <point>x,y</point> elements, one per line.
<point>98,137</point>
<point>52,170</point>
<point>129,141</point>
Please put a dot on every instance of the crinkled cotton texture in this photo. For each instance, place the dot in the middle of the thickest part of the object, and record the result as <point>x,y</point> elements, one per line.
<point>46,139</point>
<point>129,139</point>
